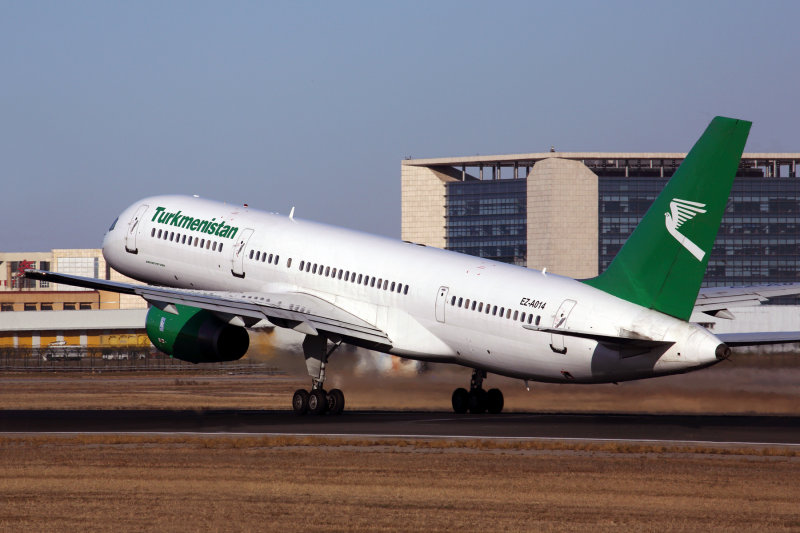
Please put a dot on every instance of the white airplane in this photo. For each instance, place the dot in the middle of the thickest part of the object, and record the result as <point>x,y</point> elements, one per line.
<point>215,270</point>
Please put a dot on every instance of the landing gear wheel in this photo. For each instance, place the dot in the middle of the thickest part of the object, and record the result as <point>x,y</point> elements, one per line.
<point>335,402</point>
<point>477,401</point>
<point>460,400</point>
<point>317,402</point>
<point>494,401</point>
<point>300,402</point>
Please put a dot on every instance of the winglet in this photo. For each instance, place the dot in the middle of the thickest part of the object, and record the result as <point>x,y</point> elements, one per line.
<point>663,262</point>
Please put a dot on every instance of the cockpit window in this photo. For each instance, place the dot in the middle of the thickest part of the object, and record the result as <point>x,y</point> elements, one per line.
<point>113,224</point>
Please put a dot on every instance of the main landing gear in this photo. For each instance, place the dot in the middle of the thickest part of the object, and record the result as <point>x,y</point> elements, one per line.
<point>477,400</point>
<point>317,401</point>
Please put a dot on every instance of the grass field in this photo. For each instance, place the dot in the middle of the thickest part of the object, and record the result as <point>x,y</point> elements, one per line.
<point>185,483</point>
<point>129,483</point>
<point>744,385</point>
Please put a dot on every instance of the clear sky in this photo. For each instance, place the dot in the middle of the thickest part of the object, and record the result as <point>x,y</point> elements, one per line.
<point>314,104</point>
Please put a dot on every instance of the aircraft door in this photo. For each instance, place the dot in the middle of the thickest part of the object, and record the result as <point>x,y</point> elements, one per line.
<point>239,250</point>
<point>441,302</point>
<point>133,229</point>
<point>559,322</point>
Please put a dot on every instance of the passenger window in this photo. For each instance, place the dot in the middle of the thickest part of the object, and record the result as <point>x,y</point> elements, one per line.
<point>347,275</point>
<point>392,288</point>
<point>302,264</point>
<point>264,257</point>
<point>359,279</point>
<point>153,232</point>
<point>208,245</point>
<point>480,307</point>
<point>214,246</point>
<point>521,318</point>
<point>516,314</point>
<point>537,319</point>
<point>494,310</point>
<point>220,247</point>
<point>372,282</point>
<point>341,274</point>
<point>251,254</point>
<point>289,263</point>
<point>172,236</point>
<point>277,258</point>
<point>385,284</point>
<point>460,301</point>
<point>258,255</point>
<point>508,313</point>
<point>308,267</point>
<point>466,304</point>
<point>270,258</point>
<point>314,269</point>
<point>333,272</point>
<point>159,234</point>
<point>405,291</point>
<point>473,304</point>
<point>321,270</point>
<point>327,272</point>
<point>530,319</point>
<point>183,239</point>
<point>453,300</point>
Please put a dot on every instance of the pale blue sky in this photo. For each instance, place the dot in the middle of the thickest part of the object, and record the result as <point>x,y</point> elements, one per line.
<point>314,104</point>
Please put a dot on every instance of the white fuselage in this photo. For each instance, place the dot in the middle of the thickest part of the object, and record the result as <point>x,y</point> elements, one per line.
<point>431,303</point>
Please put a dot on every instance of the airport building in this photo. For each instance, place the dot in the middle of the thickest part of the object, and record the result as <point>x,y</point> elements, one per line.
<point>57,321</point>
<point>20,294</point>
<point>572,212</point>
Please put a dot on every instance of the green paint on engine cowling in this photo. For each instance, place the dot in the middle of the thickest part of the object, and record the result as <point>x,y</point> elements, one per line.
<point>195,335</point>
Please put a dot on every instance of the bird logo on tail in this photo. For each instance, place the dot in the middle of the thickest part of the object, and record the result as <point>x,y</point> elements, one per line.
<point>680,212</point>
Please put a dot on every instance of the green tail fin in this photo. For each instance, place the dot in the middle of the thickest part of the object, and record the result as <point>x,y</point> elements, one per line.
<point>663,262</point>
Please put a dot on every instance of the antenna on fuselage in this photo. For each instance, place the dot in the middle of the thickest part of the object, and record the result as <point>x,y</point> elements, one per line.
<point>291,214</point>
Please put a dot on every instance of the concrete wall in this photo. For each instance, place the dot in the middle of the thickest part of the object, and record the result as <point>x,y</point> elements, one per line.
<point>562,218</point>
<point>422,205</point>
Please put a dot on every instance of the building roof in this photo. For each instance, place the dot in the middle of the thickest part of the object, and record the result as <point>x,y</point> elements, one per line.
<point>537,156</point>
<point>72,320</point>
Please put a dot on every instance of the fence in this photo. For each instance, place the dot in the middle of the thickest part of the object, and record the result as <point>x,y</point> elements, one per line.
<point>132,359</point>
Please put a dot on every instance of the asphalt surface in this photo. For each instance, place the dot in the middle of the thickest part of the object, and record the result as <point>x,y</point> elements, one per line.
<point>744,429</point>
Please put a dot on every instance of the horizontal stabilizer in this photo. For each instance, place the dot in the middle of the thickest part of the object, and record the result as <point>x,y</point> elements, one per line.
<point>759,338</point>
<point>627,341</point>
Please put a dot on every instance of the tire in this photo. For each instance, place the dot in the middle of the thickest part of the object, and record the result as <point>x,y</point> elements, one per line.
<point>494,401</point>
<point>477,401</point>
<point>300,402</point>
<point>335,402</point>
<point>317,402</point>
<point>460,400</point>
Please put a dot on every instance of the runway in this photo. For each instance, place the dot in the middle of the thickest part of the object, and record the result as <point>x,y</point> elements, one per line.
<point>728,429</point>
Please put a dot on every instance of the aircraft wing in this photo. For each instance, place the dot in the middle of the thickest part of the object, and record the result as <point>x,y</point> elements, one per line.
<point>716,300</point>
<point>299,311</point>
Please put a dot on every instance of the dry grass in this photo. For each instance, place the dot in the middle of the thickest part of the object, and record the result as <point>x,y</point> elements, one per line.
<point>125,483</point>
<point>750,384</point>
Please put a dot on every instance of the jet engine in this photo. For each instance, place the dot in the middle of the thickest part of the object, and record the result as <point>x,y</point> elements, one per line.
<point>195,335</point>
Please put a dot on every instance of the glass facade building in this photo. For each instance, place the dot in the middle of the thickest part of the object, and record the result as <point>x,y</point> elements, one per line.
<point>758,241</point>
<point>487,219</point>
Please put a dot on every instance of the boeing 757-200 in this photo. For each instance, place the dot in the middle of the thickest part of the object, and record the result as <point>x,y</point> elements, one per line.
<point>215,270</point>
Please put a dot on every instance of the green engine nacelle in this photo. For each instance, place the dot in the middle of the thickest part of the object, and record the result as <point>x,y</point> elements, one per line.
<point>195,335</point>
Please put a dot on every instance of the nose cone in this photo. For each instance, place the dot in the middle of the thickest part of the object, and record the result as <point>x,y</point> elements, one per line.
<point>113,244</point>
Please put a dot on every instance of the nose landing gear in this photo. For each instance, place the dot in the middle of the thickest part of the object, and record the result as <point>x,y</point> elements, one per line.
<point>477,400</point>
